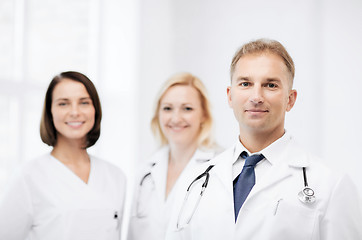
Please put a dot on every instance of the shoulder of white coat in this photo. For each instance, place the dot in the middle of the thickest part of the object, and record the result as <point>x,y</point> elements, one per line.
<point>146,166</point>
<point>29,170</point>
<point>34,165</point>
<point>108,167</point>
<point>204,155</point>
<point>223,156</point>
<point>160,155</point>
<point>318,172</point>
<point>299,157</point>
<point>216,158</point>
<point>157,156</point>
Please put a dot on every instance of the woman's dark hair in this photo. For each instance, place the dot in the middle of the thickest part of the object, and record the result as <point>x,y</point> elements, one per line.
<point>48,132</point>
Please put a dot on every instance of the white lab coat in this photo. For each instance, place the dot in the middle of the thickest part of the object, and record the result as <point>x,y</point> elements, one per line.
<point>272,210</point>
<point>151,210</point>
<point>47,201</point>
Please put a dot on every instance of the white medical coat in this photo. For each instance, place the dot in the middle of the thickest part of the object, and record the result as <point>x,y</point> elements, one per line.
<point>273,210</point>
<point>151,210</point>
<point>47,201</point>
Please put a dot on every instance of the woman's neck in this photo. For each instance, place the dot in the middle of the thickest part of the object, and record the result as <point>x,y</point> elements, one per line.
<point>73,156</point>
<point>181,154</point>
<point>179,157</point>
<point>69,152</point>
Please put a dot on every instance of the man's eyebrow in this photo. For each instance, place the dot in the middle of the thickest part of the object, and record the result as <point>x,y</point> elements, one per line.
<point>273,80</point>
<point>242,79</point>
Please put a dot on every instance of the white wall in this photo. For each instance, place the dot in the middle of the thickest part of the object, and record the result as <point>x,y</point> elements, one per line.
<point>342,82</point>
<point>323,38</point>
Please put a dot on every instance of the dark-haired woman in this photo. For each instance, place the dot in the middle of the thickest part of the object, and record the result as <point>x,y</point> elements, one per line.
<point>66,194</point>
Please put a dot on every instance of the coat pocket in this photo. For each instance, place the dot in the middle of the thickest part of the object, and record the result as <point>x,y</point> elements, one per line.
<point>88,224</point>
<point>291,221</point>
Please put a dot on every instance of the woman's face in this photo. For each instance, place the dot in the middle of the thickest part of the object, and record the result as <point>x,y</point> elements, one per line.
<point>181,115</point>
<point>72,110</point>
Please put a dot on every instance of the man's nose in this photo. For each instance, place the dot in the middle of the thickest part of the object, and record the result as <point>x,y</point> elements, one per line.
<point>257,95</point>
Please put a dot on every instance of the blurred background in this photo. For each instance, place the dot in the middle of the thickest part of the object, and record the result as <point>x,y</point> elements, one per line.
<point>128,48</point>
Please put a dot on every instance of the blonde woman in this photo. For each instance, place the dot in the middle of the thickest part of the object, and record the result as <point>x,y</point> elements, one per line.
<point>66,194</point>
<point>182,124</point>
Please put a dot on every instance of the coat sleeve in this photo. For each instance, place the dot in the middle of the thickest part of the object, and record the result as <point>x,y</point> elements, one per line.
<point>15,210</point>
<point>124,211</point>
<point>343,217</point>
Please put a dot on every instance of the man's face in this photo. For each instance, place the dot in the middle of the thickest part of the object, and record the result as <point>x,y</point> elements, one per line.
<point>260,93</point>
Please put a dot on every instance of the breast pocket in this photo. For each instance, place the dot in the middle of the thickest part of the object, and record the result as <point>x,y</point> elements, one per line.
<point>183,233</point>
<point>89,224</point>
<point>291,220</point>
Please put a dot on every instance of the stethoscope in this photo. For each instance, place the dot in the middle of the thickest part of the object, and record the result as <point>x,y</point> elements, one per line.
<point>138,210</point>
<point>205,174</point>
<point>305,196</point>
<point>204,185</point>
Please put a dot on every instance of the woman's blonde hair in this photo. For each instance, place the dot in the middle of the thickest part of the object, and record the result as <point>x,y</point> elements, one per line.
<point>205,139</point>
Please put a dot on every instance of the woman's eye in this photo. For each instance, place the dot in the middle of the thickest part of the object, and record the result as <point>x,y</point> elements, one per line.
<point>85,103</point>
<point>166,109</point>
<point>188,108</point>
<point>62,104</point>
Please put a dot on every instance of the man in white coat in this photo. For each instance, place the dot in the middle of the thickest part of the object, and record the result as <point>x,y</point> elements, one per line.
<point>265,186</point>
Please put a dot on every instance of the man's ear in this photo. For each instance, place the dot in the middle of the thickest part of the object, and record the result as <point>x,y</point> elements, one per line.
<point>228,92</point>
<point>291,99</point>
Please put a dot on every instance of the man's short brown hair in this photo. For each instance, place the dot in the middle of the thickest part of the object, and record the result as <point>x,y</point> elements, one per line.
<point>264,46</point>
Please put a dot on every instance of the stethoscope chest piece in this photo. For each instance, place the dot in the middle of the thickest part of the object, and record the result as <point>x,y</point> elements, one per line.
<point>306,195</point>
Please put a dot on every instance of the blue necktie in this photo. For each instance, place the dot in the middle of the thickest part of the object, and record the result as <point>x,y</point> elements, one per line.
<point>245,181</point>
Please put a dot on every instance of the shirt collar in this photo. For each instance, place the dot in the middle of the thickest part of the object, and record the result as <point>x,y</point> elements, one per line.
<point>203,155</point>
<point>239,148</point>
<point>272,153</point>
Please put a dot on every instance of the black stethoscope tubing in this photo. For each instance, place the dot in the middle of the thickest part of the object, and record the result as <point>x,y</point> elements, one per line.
<point>207,176</point>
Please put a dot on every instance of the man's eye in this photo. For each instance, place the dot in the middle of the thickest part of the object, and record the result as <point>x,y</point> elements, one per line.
<point>244,84</point>
<point>272,85</point>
